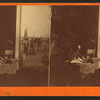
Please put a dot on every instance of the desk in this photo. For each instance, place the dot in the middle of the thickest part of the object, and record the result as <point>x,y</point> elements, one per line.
<point>8,68</point>
<point>87,68</point>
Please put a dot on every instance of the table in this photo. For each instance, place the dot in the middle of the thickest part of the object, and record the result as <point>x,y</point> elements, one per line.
<point>87,68</point>
<point>8,68</point>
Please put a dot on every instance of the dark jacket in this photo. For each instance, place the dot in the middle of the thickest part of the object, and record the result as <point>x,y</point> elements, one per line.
<point>60,70</point>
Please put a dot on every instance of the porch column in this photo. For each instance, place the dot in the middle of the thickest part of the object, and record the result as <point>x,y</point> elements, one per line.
<point>98,46</point>
<point>49,15</point>
<point>18,32</point>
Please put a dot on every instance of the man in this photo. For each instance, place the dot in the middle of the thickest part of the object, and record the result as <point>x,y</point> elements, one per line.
<point>39,43</point>
<point>25,43</point>
<point>32,46</point>
<point>35,42</point>
<point>65,49</point>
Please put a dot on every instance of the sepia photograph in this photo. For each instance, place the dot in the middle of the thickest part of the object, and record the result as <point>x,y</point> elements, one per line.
<point>24,43</point>
<point>75,54</point>
<point>49,45</point>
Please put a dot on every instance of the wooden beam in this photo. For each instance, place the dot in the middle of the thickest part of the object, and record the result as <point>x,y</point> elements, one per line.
<point>18,32</point>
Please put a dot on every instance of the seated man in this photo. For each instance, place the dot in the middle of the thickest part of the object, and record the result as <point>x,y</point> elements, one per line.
<point>60,71</point>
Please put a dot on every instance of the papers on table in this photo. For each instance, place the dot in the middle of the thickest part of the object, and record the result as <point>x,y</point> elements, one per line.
<point>77,61</point>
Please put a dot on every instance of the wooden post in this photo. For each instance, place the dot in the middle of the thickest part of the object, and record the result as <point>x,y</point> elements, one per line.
<point>18,32</point>
<point>98,46</point>
<point>50,15</point>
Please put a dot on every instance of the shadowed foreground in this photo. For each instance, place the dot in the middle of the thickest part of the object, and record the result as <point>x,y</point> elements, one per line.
<point>25,77</point>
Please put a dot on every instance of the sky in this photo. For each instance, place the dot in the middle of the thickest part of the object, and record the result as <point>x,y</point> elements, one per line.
<point>37,20</point>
